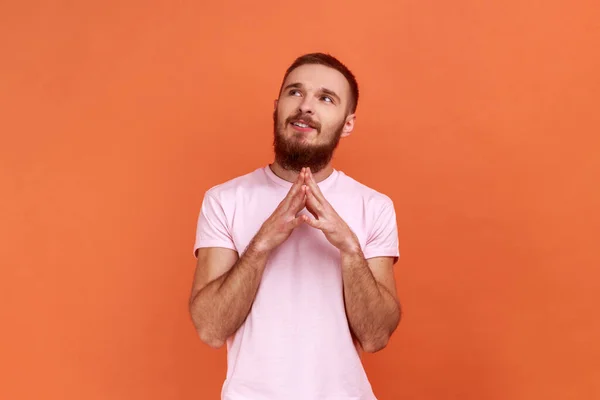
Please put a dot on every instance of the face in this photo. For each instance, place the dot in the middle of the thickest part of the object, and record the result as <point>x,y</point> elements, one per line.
<point>311,115</point>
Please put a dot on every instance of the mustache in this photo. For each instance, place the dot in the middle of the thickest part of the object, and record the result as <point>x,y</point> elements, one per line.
<point>304,117</point>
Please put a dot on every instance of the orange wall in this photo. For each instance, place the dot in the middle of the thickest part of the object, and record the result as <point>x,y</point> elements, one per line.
<point>478,118</point>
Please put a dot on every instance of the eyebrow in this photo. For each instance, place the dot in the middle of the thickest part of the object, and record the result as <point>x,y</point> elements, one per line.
<point>324,90</point>
<point>331,93</point>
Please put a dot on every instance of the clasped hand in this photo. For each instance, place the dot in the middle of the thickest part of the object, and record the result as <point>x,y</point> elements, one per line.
<point>306,193</point>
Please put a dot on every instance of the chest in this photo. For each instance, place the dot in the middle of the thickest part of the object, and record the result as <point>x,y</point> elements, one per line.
<point>253,209</point>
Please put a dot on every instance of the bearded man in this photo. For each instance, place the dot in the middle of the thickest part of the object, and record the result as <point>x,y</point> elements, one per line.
<point>295,259</point>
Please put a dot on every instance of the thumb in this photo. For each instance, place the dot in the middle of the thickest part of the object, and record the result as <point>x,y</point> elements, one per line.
<point>315,223</point>
<point>295,222</point>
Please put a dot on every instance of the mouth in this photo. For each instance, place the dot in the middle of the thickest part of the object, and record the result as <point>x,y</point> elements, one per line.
<point>302,126</point>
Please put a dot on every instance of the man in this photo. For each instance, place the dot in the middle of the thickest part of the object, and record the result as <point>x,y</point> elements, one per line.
<point>295,259</point>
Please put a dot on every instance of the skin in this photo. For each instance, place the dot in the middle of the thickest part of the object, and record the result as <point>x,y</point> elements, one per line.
<point>323,94</point>
<point>226,283</point>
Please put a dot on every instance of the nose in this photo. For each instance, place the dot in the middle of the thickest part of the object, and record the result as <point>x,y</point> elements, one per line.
<point>306,106</point>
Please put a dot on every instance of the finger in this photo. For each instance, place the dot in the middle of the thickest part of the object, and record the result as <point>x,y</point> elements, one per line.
<point>312,184</point>
<point>298,201</point>
<point>296,186</point>
<point>295,222</point>
<point>298,182</point>
<point>315,223</point>
<point>313,205</point>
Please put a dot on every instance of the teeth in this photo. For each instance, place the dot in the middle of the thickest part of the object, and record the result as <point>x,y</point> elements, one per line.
<point>300,124</point>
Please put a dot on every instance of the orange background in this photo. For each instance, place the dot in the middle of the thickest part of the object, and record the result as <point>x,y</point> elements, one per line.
<point>479,119</point>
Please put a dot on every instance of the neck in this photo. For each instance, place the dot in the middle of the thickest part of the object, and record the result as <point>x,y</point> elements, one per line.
<point>291,176</point>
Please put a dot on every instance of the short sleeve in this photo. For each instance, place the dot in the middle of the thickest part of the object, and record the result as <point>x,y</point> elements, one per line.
<point>383,237</point>
<point>212,228</point>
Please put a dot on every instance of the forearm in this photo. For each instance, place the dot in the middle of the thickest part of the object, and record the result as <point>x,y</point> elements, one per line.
<point>221,307</point>
<point>373,313</point>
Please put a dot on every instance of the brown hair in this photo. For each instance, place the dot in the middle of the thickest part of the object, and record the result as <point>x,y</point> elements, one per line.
<point>328,61</point>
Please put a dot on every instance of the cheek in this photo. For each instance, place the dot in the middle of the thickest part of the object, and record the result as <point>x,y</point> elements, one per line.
<point>332,123</point>
<point>280,116</point>
<point>283,112</point>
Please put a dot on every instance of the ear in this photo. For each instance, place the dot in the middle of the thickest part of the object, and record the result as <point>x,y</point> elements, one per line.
<point>275,104</point>
<point>349,125</point>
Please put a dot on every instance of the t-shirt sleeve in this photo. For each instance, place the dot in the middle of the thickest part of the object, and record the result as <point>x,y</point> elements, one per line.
<point>383,238</point>
<point>212,227</point>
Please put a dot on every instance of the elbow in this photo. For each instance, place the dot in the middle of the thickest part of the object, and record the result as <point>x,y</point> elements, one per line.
<point>377,341</point>
<point>374,345</point>
<point>204,329</point>
<point>207,333</point>
<point>210,339</point>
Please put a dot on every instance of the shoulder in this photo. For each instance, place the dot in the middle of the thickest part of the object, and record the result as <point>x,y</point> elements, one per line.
<point>370,196</point>
<point>230,188</point>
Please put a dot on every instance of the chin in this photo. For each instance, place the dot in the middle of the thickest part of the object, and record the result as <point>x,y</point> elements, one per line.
<point>303,137</point>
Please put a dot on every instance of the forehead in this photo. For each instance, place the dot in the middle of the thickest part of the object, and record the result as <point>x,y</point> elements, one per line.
<point>316,77</point>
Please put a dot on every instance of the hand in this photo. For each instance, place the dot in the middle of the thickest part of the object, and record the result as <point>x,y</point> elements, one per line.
<point>327,219</point>
<point>279,226</point>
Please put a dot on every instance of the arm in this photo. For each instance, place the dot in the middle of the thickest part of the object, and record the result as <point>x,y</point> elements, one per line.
<point>370,296</point>
<point>223,291</point>
<point>371,301</point>
<point>224,285</point>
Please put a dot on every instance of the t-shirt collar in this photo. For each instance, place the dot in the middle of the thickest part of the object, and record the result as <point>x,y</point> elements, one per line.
<point>282,182</point>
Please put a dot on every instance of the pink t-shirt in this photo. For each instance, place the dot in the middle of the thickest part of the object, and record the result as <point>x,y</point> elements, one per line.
<point>295,343</point>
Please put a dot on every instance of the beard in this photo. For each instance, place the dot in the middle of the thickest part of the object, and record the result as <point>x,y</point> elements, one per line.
<point>294,155</point>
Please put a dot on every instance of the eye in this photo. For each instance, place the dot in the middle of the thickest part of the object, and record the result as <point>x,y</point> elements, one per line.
<point>294,92</point>
<point>327,99</point>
